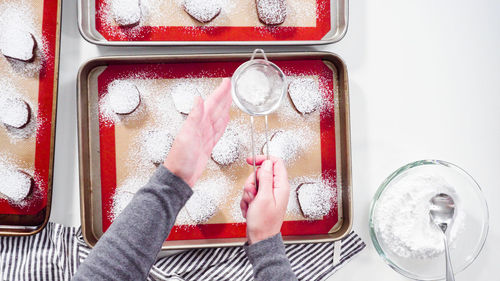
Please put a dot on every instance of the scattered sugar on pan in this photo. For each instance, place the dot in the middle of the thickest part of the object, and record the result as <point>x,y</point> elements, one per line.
<point>236,214</point>
<point>272,12</point>
<point>305,94</point>
<point>121,199</point>
<point>202,10</point>
<point>126,13</point>
<point>315,199</point>
<point>124,194</point>
<point>184,94</point>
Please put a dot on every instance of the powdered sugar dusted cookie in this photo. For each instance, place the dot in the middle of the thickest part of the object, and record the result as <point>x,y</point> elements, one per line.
<point>15,112</point>
<point>200,207</point>
<point>17,44</point>
<point>157,144</point>
<point>202,10</point>
<point>127,13</point>
<point>227,150</point>
<point>124,97</point>
<point>315,200</point>
<point>305,94</point>
<point>16,185</point>
<point>284,144</point>
<point>183,95</point>
<point>271,12</point>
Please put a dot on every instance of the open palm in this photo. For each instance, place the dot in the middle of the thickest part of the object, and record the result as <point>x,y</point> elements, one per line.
<point>199,134</point>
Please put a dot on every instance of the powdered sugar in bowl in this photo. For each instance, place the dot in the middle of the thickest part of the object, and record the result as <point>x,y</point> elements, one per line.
<point>400,226</point>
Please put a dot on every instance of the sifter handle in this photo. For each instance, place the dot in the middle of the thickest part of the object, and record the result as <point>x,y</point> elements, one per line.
<point>257,51</point>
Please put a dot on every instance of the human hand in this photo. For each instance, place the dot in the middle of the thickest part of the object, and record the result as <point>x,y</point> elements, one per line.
<point>265,209</point>
<point>199,134</point>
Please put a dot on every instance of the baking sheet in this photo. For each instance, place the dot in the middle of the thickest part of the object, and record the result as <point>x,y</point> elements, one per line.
<point>34,153</point>
<point>308,22</point>
<point>219,231</point>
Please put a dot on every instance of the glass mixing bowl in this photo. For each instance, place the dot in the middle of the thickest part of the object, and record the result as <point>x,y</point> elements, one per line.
<point>468,242</point>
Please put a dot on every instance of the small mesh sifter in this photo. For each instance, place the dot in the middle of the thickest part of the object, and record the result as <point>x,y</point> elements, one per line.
<point>272,84</point>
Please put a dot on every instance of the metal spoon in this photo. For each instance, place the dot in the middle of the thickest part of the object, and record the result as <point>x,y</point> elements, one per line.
<point>442,213</point>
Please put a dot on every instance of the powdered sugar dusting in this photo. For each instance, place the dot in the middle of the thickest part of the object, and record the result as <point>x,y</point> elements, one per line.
<point>272,11</point>
<point>159,13</point>
<point>184,94</point>
<point>288,144</point>
<point>126,12</point>
<point>305,94</point>
<point>152,143</point>
<point>124,97</point>
<point>202,10</point>
<point>228,149</point>
<point>17,44</point>
<point>312,197</point>
<point>15,116</point>
<point>17,18</point>
<point>208,195</point>
<point>124,194</point>
<point>14,112</point>
<point>16,184</point>
<point>157,144</point>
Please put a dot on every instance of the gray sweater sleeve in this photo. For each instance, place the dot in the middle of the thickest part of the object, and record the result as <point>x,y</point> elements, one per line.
<point>130,246</point>
<point>269,260</point>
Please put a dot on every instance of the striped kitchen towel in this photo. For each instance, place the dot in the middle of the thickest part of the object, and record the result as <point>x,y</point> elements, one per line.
<point>55,253</point>
<point>49,255</point>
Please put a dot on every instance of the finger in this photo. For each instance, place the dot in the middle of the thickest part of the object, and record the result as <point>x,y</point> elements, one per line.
<point>250,184</point>
<point>244,208</point>
<point>281,185</point>
<point>221,96</point>
<point>247,197</point>
<point>252,191</point>
<point>220,126</point>
<point>265,178</point>
<point>196,114</point>
<point>280,172</point>
<point>261,158</point>
<point>220,109</point>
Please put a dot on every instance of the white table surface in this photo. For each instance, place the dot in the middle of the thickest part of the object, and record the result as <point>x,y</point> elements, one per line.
<point>424,81</point>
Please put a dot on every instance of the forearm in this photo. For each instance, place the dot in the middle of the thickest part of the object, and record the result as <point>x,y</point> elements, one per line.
<point>130,246</point>
<point>269,260</point>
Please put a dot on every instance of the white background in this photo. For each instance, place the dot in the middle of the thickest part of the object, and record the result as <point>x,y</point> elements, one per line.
<point>424,81</point>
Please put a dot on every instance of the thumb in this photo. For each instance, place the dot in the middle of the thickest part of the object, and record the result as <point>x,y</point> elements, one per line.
<point>265,178</point>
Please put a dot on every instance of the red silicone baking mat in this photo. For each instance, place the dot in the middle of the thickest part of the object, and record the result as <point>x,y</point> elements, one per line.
<point>107,137</point>
<point>221,32</point>
<point>47,92</point>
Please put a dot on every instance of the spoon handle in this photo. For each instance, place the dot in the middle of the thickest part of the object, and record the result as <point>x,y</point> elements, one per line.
<point>449,269</point>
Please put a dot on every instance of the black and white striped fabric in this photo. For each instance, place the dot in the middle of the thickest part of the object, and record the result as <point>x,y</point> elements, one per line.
<point>55,253</point>
<point>50,255</point>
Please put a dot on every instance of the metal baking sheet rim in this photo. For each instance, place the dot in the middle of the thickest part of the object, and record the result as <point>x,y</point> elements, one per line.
<point>86,26</point>
<point>340,230</point>
<point>20,230</point>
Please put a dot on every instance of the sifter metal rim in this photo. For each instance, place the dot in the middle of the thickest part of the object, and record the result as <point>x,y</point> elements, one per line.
<point>251,63</point>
